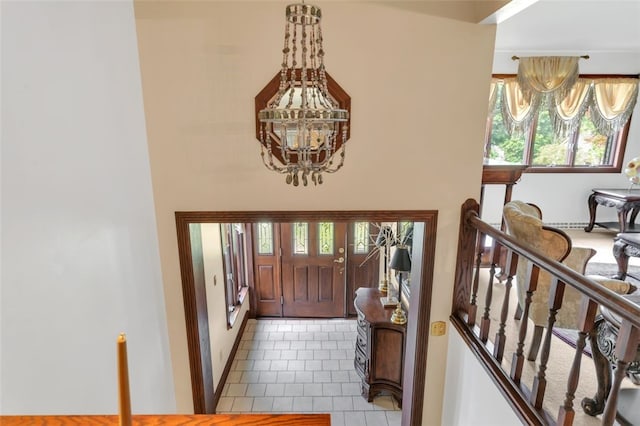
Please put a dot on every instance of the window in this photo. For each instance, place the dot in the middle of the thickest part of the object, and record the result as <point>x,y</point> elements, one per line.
<point>300,238</point>
<point>361,237</point>
<point>584,150</point>
<point>265,238</point>
<point>233,242</point>
<point>325,238</point>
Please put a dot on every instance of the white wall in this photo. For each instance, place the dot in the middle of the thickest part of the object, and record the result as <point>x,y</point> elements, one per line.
<point>80,260</point>
<point>563,196</point>
<point>471,398</point>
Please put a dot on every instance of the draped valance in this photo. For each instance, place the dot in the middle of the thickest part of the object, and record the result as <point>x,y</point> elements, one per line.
<point>614,100</point>
<point>547,74</point>
<point>517,111</point>
<point>609,100</point>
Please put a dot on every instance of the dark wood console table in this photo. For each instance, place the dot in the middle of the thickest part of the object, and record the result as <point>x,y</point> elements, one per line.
<point>603,341</point>
<point>380,344</point>
<point>625,201</point>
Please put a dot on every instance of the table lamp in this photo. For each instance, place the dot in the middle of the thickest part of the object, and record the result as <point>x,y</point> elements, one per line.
<point>401,262</point>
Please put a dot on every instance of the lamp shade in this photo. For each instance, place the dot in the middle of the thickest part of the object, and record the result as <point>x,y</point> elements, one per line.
<point>385,237</point>
<point>401,261</point>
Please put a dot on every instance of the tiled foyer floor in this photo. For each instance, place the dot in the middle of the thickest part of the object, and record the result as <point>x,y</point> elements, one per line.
<point>298,366</point>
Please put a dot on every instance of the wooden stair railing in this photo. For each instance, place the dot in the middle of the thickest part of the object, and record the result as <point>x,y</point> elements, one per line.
<point>528,400</point>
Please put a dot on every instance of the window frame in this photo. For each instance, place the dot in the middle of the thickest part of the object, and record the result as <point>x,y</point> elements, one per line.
<point>529,143</point>
<point>234,266</point>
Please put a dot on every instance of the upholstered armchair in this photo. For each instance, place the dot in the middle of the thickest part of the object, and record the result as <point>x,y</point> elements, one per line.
<point>524,223</point>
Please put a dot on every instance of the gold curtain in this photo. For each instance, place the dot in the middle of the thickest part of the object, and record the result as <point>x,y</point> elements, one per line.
<point>566,113</point>
<point>493,90</point>
<point>517,110</point>
<point>613,103</point>
<point>547,74</point>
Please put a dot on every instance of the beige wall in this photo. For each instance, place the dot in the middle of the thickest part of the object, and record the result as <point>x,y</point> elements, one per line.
<point>419,87</point>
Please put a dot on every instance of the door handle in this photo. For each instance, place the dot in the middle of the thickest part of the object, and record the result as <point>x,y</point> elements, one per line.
<point>339,260</point>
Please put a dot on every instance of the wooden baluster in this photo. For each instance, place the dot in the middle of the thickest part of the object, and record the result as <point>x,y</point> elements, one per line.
<point>556,292</point>
<point>626,347</point>
<point>500,340</point>
<point>531,280</point>
<point>473,307</point>
<point>586,321</point>
<point>493,259</point>
<point>485,322</point>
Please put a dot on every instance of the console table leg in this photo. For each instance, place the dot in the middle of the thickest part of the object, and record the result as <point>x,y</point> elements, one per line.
<point>633,215</point>
<point>622,219</point>
<point>592,212</point>
<point>594,406</point>
<point>622,259</point>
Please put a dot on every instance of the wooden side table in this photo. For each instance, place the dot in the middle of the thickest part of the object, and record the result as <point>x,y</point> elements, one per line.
<point>625,201</point>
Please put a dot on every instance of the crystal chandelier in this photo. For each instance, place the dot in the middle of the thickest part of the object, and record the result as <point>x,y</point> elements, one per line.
<point>303,129</point>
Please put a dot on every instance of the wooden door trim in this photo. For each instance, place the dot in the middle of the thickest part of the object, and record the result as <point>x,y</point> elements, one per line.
<point>196,310</point>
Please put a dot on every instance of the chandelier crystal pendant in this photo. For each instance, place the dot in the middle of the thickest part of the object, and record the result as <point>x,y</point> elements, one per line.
<point>303,129</point>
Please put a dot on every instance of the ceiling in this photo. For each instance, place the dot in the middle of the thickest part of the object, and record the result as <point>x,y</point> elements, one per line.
<point>572,27</point>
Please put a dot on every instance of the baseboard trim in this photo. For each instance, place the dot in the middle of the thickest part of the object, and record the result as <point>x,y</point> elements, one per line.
<point>227,367</point>
<point>561,225</point>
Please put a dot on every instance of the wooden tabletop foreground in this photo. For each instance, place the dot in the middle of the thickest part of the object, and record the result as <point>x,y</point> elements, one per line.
<point>187,420</point>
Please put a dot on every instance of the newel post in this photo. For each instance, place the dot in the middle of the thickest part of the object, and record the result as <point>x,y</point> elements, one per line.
<point>464,262</point>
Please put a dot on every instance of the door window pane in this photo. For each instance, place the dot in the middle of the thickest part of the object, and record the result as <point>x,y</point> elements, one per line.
<point>325,239</point>
<point>265,238</point>
<point>361,237</point>
<point>300,238</point>
<point>405,233</point>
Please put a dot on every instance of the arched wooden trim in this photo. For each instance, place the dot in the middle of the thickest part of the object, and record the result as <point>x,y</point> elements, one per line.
<point>269,91</point>
<point>419,314</point>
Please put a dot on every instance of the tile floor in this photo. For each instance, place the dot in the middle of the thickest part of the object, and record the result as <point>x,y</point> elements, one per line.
<point>302,365</point>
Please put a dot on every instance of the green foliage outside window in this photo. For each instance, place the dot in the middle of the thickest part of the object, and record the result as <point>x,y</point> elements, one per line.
<point>504,147</point>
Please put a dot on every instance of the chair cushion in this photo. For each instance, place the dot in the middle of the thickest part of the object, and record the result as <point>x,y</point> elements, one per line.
<point>617,286</point>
